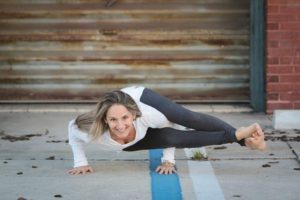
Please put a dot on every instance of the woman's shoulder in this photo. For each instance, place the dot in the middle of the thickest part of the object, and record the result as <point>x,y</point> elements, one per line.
<point>75,133</point>
<point>72,123</point>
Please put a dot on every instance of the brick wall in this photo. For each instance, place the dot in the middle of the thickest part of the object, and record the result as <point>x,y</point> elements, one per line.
<point>282,54</point>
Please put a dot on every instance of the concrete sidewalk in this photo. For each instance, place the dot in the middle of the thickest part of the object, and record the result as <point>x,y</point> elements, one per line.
<point>34,157</point>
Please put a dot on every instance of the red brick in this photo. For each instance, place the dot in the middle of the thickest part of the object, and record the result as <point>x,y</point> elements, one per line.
<point>296,87</point>
<point>272,9</point>
<point>273,44</point>
<point>272,87</point>
<point>292,96</point>
<point>279,87</point>
<point>283,35</point>
<point>272,79</point>
<point>290,78</point>
<point>273,18</point>
<point>273,105</point>
<point>297,69</point>
<point>289,43</point>
<point>280,69</point>
<point>290,25</point>
<point>272,2</point>
<point>294,60</point>
<point>286,60</point>
<point>296,105</point>
<point>272,26</point>
<point>290,60</point>
<point>272,60</point>
<point>297,60</point>
<point>290,8</point>
<point>293,2</point>
<point>280,52</point>
<point>272,96</point>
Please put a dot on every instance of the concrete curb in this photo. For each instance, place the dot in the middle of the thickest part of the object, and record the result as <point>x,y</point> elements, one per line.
<point>286,119</point>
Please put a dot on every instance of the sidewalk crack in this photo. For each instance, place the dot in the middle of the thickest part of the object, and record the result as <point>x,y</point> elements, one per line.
<point>293,151</point>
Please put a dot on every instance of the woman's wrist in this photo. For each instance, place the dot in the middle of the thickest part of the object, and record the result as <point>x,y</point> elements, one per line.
<point>168,163</point>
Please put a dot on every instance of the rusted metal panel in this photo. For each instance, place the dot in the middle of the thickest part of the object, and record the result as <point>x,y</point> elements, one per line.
<point>191,51</point>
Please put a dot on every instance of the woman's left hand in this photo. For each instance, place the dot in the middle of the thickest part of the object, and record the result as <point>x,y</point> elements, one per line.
<point>166,168</point>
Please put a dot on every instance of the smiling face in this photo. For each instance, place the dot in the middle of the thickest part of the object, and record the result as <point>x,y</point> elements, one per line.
<point>120,121</point>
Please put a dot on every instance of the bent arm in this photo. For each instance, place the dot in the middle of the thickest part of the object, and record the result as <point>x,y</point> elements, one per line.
<point>77,139</point>
<point>168,155</point>
<point>168,162</point>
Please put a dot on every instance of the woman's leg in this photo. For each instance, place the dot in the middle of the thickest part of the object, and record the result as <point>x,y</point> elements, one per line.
<point>169,137</point>
<point>182,116</point>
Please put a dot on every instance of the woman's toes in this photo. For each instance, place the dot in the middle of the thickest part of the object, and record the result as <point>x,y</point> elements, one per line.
<point>259,130</point>
<point>255,144</point>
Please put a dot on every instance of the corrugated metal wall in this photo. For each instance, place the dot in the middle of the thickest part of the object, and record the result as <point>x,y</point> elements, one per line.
<point>189,50</point>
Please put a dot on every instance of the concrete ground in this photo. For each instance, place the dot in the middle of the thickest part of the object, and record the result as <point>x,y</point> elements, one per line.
<point>34,157</point>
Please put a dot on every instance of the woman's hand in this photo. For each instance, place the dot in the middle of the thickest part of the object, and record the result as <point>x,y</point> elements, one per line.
<point>166,168</point>
<point>80,170</point>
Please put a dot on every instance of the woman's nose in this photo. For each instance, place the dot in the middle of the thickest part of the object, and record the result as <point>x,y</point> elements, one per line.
<point>120,124</point>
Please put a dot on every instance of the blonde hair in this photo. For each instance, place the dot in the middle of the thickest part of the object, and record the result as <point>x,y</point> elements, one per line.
<point>93,122</point>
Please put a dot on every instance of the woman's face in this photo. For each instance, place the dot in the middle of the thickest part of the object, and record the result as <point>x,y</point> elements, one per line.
<point>120,121</point>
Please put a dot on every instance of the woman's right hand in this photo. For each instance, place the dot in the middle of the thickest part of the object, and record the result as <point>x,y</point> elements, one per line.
<point>80,170</point>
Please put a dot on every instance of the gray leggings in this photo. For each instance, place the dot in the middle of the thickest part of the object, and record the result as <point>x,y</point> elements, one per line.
<point>207,130</point>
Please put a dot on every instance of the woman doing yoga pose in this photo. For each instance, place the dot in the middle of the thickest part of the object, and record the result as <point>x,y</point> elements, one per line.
<point>137,118</point>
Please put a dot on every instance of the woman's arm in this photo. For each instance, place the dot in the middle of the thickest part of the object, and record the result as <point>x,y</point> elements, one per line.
<point>168,162</point>
<point>77,139</point>
<point>168,155</point>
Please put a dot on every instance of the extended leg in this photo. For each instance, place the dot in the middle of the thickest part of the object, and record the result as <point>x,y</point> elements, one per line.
<point>182,116</point>
<point>169,137</point>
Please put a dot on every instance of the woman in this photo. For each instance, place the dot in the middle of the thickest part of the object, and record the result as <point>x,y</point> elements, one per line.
<point>137,118</point>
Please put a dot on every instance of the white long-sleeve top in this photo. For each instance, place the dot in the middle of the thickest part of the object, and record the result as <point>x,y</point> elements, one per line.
<point>151,118</point>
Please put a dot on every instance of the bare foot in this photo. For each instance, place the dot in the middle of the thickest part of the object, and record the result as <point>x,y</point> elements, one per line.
<point>257,140</point>
<point>245,132</point>
<point>260,139</point>
<point>255,144</point>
